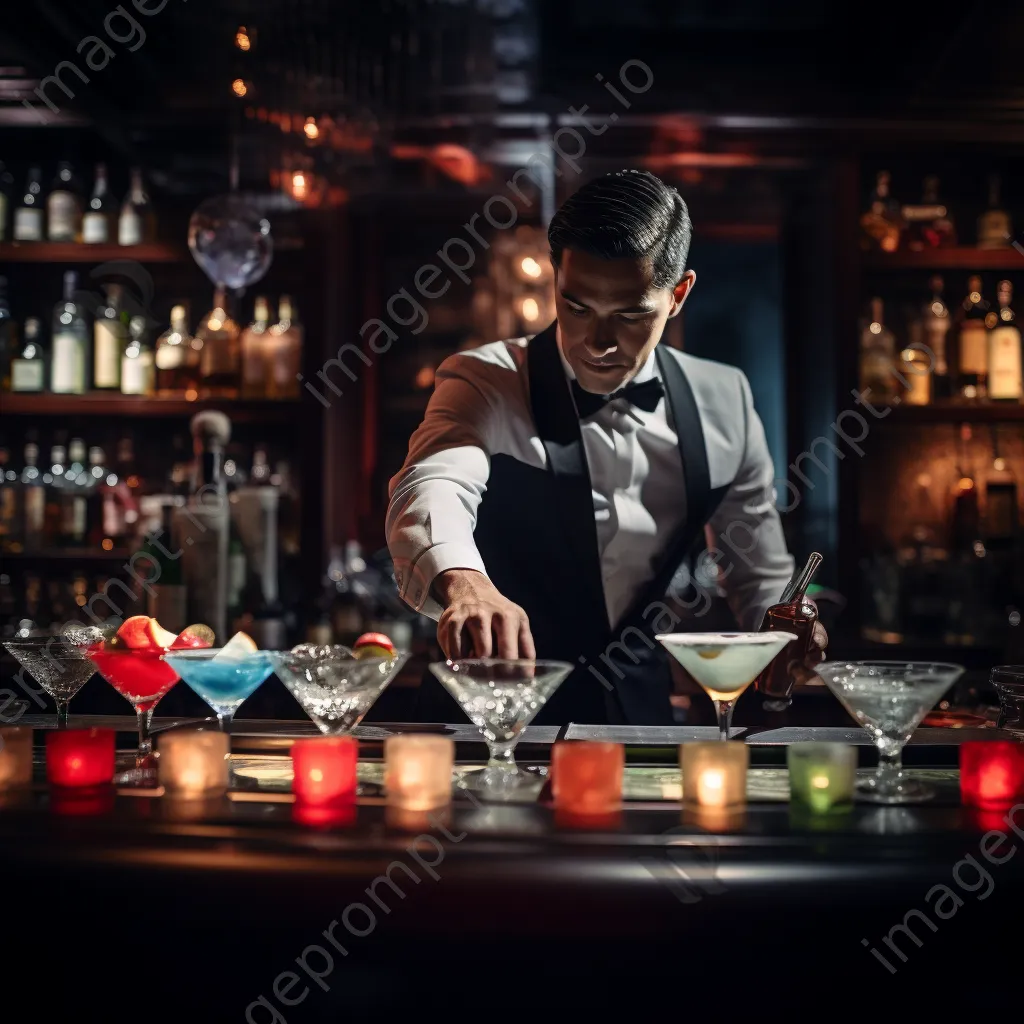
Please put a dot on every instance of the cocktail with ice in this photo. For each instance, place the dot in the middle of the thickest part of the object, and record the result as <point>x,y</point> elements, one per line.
<point>56,664</point>
<point>223,676</point>
<point>725,664</point>
<point>889,699</point>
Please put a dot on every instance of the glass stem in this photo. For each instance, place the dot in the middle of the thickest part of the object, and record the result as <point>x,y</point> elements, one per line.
<point>890,761</point>
<point>724,709</point>
<point>501,756</point>
<point>145,740</point>
<point>62,714</point>
<point>224,722</point>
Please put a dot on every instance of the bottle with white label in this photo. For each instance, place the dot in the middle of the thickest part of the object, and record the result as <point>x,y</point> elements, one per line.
<point>110,334</point>
<point>1004,351</point>
<point>973,342</point>
<point>28,367</point>
<point>137,370</point>
<point>69,358</point>
<point>28,217</point>
<point>99,222</point>
<point>136,224</point>
<point>64,206</point>
<point>177,358</point>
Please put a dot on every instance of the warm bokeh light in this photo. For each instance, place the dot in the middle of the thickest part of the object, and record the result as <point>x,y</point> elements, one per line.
<point>242,40</point>
<point>530,267</point>
<point>311,129</point>
<point>530,309</point>
<point>239,88</point>
<point>300,185</point>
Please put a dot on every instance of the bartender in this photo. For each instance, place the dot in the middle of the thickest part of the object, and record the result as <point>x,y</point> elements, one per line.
<point>558,484</point>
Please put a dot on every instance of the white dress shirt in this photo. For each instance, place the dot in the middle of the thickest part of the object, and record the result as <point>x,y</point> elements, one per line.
<point>481,407</point>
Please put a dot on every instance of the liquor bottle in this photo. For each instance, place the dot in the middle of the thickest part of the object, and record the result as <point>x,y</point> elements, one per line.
<point>177,358</point>
<point>916,369</point>
<point>166,597</point>
<point>28,217</point>
<point>284,352</point>
<point>202,526</point>
<point>28,367</point>
<point>136,224</point>
<point>877,357</point>
<point>928,223</point>
<point>99,222</point>
<point>137,371</point>
<point>219,353</point>
<point>69,355</point>
<point>965,529</point>
<point>64,206</point>
<point>994,228</point>
<point>794,613</point>
<point>74,496</point>
<point>6,195</point>
<point>9,531</point>
<point>973,342</point>
<point>1004,351</point>
<point>253,343</point>
<point>53,523</point>
<point>97,484</point>
<point>110,333</point>
<point>33,500</point>
<point>1001,520</point>
<point>8,341</point>
<point>269,617</point>
<point>935,324</point>
<point>882,222</point>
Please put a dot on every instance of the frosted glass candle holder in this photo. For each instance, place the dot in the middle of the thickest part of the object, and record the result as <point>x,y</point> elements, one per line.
<point>714,774</point>
<point>822,775</point>
<point>586,776</point>
<point>418,771</point>
<point>194,764</point>
<point>15,757</point>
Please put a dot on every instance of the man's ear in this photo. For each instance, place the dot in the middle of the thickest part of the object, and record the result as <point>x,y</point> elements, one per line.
<point>681,291</point>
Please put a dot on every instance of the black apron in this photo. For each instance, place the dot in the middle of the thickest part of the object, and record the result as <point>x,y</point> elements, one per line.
<point>537,535</point>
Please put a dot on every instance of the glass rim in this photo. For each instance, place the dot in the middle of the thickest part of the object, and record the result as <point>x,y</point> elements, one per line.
<point>305,657</point>
<point>944,666</point>
<point>709,639</point>
<point>1014,672</point>
<point>506,662</point>
<point>208,653</point>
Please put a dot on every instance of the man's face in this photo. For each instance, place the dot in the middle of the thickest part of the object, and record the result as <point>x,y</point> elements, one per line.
<point>611,316</point>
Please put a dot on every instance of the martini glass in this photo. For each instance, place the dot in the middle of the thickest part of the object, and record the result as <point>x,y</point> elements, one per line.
<point>501,698</point>
<point>333,686</point>
<point>59,667</point>
<point>724,664</point>
<point>142,677</point>
<point>889,699</point>
<point>223,682</point>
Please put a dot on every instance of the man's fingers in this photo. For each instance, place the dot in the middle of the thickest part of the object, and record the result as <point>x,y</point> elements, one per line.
<point>449,630</point>
<point>527,648</point>
<point>819,637</point>
<point>506,636</point>
<point>479,628</point>
<point>802,675</point>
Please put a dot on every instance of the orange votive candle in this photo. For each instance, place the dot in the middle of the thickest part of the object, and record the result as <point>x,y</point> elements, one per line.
<point>586,776</point>
<point>324,769</point>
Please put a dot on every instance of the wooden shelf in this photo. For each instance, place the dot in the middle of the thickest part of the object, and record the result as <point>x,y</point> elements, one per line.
<point>72,252</point>
<point>100,404</point>
<point>905,415</point>
<point>1009,259</point>
<point>67,555</point>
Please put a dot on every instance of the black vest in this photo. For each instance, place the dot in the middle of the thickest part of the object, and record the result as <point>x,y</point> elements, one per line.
<point>537,535</point>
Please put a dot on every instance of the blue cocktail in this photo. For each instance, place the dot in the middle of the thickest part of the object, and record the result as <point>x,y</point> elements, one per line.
<point>223,679</point>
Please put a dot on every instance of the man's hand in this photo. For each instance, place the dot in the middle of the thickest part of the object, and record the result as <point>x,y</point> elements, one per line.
<point>815,655</point>
<point>478,621</point>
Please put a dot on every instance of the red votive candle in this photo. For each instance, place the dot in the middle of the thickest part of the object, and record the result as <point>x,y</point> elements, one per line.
<point>991,773</point>
<point>324,769</point>
<point>77,758</point>
<point>586,776</point>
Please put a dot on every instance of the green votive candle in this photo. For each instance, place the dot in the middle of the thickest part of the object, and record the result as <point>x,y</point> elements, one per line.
<point>821,775</point>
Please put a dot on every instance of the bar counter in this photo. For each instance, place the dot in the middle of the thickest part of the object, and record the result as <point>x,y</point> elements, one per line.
<point>234,908</point>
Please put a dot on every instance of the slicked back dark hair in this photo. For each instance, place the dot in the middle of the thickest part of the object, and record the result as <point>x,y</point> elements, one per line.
<point>626,215</point>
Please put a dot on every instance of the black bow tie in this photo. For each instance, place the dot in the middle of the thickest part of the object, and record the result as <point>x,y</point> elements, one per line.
<point>644,396</point>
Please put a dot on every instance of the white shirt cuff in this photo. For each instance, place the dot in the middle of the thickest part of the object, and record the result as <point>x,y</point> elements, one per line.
<point>414,584</point>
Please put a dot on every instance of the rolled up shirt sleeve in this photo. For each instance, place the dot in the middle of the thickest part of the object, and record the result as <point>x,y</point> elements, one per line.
<point>746,528</point>
<point>435,496</point>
